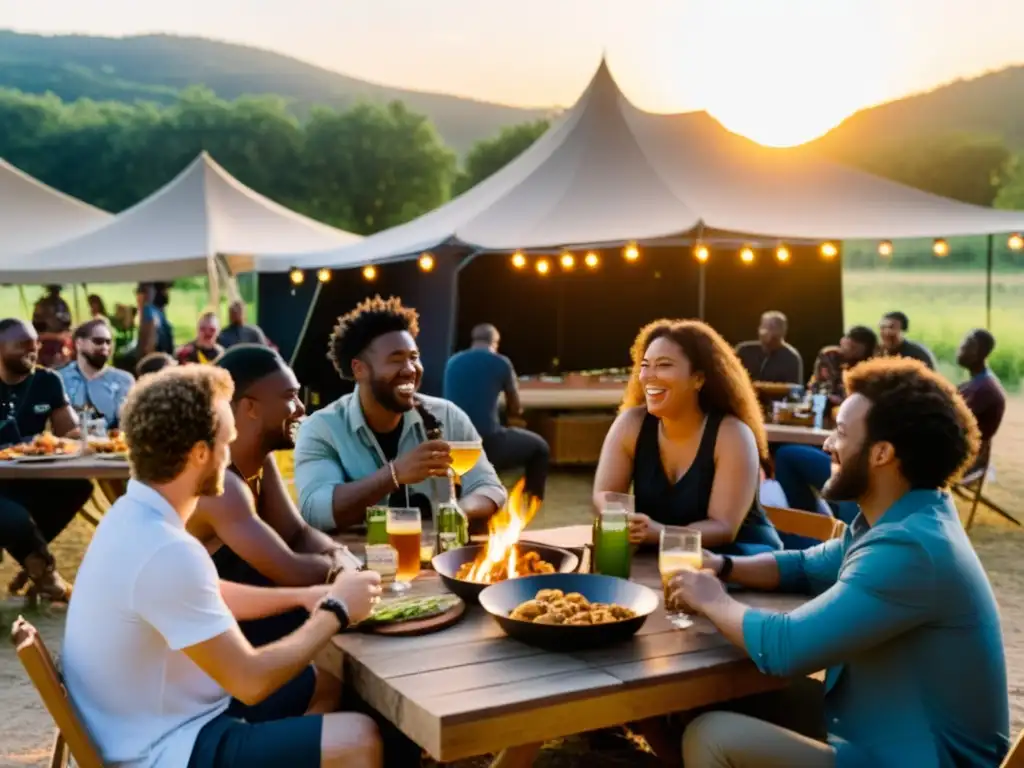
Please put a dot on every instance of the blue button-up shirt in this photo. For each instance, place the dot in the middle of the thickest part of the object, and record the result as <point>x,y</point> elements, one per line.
<point>335,445</point>
<point>906,623</point>
<point>106,392</point>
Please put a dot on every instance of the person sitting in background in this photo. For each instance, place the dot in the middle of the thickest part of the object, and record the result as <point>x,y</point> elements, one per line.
<point>770,358</point>
<point>89,381</point>
<point>893,603</point>
<point>153,658</point>
<point>237,330</point>
<point>34,512</point>
<point>97,309</point>
<point>378,445</point>
<point>204,347</point>
<point>153,362</point>
<point>830,366</point>
<point>51,318</point>
<point>895,344</point>
<point>689,439</point>
<point>253,531</point>
<point>473,380</point>
<point>982,392</point>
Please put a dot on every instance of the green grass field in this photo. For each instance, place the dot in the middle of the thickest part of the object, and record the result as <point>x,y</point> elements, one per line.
<point>942,307</point>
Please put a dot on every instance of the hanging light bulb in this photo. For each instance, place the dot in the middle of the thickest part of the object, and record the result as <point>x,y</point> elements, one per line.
<point>297,276</point>
<point>829,250</point>
<point>543,266</point>
<point>747,255</point>
<point>370,272</point>
<point>323,275</point>
<point>940,248</point>
<point>567,260</point>
<point>1015,242</point>
<point>701,253</point>
<point>885,249</point>
<point>591,260</point>
<point>782,254</point>
<point>631,252</point>
<point>426,261</point>
<point>518,260</point>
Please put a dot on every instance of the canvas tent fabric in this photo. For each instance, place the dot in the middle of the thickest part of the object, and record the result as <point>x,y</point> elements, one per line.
<point>177,231</point>
<point>608,173</point>
<point>34,216</point>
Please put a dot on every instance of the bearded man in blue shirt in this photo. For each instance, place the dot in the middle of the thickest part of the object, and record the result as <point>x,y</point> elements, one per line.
<point>902,615</point>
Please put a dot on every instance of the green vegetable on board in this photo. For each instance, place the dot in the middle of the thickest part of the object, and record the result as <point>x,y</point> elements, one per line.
<point>411,608</point>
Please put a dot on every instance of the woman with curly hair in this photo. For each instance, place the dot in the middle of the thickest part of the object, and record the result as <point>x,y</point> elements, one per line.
<point>689,439</point>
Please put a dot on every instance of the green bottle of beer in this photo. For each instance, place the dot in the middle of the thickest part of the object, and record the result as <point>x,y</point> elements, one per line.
<point>452,527</point>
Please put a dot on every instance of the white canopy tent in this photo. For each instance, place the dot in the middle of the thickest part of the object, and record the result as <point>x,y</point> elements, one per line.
<point>34,216</point>
<point>203,221</point>
<point>608,173</point>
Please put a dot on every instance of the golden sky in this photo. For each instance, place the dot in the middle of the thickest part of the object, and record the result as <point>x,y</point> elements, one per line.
<point>779,71</point>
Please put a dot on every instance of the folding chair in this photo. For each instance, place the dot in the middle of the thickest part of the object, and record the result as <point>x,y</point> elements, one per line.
<point>970,488</point>
<point>71,740</point>
<point>809,524</point>
<point>1015,757</point>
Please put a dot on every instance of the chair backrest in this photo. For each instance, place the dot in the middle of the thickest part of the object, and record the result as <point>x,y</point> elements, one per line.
<point>809,524</point>
<point>1015,757</point>
<point>44,676</point>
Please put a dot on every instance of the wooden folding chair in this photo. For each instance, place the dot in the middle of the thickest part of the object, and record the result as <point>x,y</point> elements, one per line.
<point>970,488</point>
<point>809,524</point>
<point>71,740</point>
<point>1015,757</point>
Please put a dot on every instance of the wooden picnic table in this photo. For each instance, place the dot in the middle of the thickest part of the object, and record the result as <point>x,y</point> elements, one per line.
<point>82,468</point>
<point>470,690</point>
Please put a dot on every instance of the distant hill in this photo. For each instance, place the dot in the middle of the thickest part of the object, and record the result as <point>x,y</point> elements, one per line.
<point>156,67</point>
<point>989,105</point>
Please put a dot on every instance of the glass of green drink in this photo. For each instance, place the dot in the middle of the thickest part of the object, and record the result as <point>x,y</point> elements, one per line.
<point>376,525</point>
<point>613,554</point>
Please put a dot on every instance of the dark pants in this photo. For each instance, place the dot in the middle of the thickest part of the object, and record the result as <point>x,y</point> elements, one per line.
<point>801,471</point>
<point>511,448</point>
<point>34,512</point>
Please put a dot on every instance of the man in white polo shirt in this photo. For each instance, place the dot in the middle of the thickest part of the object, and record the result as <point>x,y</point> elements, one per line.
<point>153,658</point>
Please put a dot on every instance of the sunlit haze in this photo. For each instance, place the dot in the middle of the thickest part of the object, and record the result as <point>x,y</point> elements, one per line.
<point>779,71</point>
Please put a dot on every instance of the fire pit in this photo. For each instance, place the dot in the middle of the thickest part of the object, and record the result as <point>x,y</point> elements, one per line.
<point>468,570</point>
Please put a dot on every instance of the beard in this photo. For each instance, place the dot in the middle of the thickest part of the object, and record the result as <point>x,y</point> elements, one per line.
<point>96,359</point>
<point>384,393</point>
<point>851,481</point>
<point>22,365</point>
<point>282,439</point>
<point>212,481</point>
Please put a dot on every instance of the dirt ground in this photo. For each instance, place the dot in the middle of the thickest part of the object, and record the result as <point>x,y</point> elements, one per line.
<point>26,729</point>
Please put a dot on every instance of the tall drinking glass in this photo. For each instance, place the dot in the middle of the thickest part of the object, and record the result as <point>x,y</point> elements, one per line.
<point>452,523</point>
<point>679,549</point>
<point>612,551</point>
<point>405,528</point>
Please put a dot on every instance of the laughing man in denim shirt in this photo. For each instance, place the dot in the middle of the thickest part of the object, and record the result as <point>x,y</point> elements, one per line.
<point>379,445</point>
<point>902,615</point>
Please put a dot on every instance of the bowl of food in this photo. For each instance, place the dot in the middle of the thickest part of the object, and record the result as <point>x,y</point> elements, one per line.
<point>467,571</point>
<point>569,611</point>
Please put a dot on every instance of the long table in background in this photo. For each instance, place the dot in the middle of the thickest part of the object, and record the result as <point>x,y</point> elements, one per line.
<point>109,476</point>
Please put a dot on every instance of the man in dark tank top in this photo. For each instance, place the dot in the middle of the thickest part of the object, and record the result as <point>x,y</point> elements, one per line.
<point>253,531</point>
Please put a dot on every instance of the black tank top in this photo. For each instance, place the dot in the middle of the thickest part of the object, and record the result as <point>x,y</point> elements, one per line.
<point>686,501</point>
<point>230,566</point>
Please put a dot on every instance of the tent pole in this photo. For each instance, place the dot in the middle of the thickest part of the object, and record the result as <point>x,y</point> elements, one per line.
<point>989,264</point>
<point>700,290</point>
<point>305,323</point>
<point>78,305</point>
<point>229,279</point>
<point>24,301</point>
<point>213,283</point>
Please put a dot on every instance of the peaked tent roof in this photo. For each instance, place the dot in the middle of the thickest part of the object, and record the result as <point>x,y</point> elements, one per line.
<point>34,216</point>
<point>202,213</point>
<point>609,172</point>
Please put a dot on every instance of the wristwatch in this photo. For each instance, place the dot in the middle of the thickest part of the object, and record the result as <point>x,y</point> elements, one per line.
<point>337,607</point>
<point>726,569</point>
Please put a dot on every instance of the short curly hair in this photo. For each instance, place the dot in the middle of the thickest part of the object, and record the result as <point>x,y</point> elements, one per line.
<point>372,318</point>
<point>167,413</point>
<point>727,387</point>
<point>933,432</point>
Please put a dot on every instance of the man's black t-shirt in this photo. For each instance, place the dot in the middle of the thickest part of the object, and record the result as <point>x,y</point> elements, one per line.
<point>27,406</point>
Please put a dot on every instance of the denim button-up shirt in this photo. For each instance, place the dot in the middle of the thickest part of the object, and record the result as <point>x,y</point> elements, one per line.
<point>906,623</point>
<point>105,392</point>
<point>335,445</point>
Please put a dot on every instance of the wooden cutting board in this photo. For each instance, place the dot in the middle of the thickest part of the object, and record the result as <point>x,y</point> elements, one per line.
<point>419,626</point>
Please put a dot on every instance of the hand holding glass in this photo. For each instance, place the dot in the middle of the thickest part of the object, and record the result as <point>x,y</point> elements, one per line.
<point>680,549</point>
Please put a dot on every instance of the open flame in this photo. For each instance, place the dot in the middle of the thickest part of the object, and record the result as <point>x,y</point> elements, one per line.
<point>500,558</point>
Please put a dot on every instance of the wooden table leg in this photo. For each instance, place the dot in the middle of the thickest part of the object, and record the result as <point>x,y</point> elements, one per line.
<point>517,757</point>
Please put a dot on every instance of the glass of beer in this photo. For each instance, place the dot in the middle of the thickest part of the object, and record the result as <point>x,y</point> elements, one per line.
<point>680,549</point>
<point>405,528</point>
<point>465,455</point>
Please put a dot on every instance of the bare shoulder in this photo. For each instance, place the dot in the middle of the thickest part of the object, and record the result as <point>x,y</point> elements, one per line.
<point>234,503</point>
<point>734,434</point>
<point>627,424</point>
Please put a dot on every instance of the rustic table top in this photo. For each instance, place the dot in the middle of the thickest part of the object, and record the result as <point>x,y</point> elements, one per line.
<point>470,690</point>
<point>84,468</point>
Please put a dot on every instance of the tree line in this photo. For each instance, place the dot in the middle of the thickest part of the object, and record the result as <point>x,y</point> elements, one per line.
<point>373,166</point>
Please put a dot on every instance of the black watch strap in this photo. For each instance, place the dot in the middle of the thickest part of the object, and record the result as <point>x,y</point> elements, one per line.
<point>335,606</point>
<point>726,569</point>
